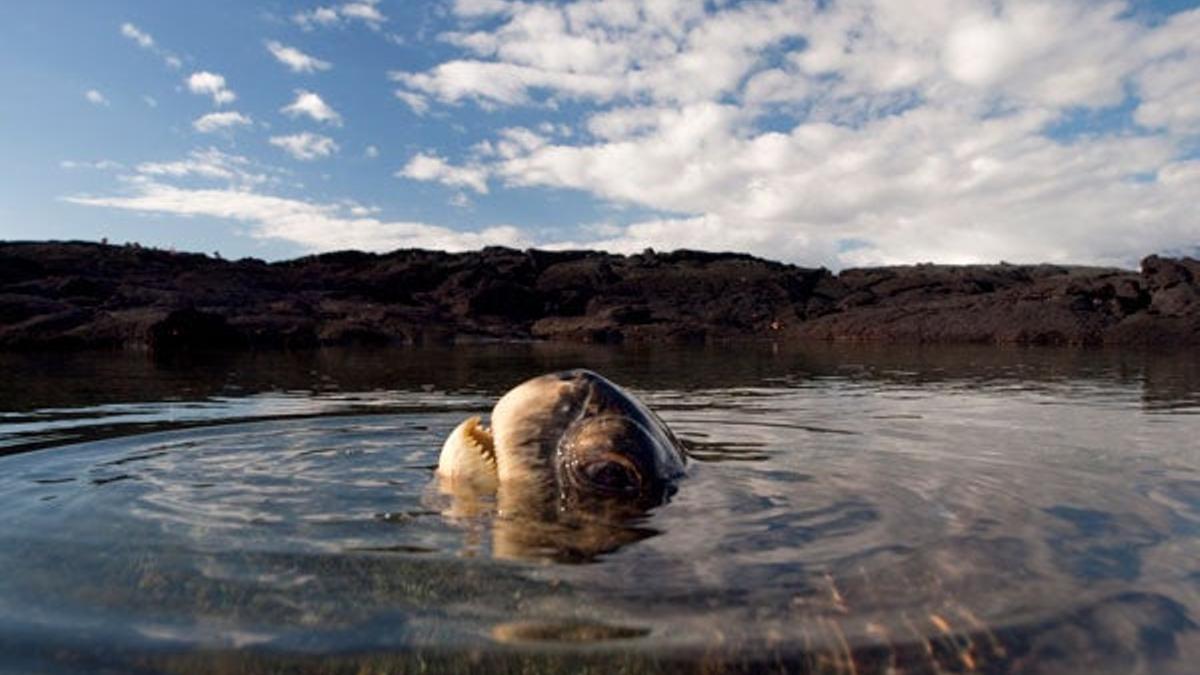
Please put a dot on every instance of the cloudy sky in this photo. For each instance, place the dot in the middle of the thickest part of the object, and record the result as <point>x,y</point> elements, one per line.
<point>813,131</point>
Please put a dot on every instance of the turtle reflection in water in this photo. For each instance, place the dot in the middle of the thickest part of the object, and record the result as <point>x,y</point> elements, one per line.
<point>573,461</point>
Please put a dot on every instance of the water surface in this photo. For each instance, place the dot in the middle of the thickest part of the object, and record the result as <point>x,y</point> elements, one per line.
<point>846,510</point>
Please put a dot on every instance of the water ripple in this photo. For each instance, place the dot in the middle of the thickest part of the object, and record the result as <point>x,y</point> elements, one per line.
<point>866,518</point>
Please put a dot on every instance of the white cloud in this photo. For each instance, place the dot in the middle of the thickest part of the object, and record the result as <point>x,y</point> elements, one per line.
<point>502,83</point>
<point>871,131</point>
<point>418,103</point>
<point>1171,96</point>
<point>606,51</point>
<point>208,164</point>
<point>481,8</point>
<point>312,225</point>
<point>99,165</point>
<point>1068,53</point>
<point>305,146</point>
<point>1045,54</point>
<point>320,16</point>
<point>969,193</point>
<point>95,97</point>
<point>311,104</point>
<point>364,11</point>
<point>296,60</point>
<point>371,152</point>
<point>220,120</point>
<point>149,100</point>
<point>210,84</point>
<point>215,184</point>
<point>433,168</point>
<point>898,132</point>
<point>1169,84</point>
<point>775,86</point>
<point>133,33</point>
<point>146,41</point>
<point>359,210</point>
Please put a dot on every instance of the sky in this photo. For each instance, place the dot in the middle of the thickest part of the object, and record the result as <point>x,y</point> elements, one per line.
<point>816,132</point>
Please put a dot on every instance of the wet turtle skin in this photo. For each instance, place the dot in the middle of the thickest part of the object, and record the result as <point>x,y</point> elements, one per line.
<point>573,434</point>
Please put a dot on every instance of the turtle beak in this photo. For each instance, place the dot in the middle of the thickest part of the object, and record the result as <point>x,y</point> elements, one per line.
<point>468,459</point>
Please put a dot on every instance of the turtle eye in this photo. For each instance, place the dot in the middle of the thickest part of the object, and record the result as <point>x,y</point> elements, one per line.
<point>611,476</point>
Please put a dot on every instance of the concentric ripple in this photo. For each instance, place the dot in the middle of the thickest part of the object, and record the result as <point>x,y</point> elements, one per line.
<point>838,523</point>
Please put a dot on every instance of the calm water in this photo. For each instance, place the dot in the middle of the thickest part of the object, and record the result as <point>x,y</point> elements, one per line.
<point>846,510</point>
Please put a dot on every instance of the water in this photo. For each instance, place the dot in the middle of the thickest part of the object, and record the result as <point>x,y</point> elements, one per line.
<point>846,510</point>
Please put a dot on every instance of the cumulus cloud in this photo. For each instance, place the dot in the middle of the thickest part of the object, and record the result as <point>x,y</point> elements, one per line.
<point>1044,54</point>
<point>305,146</point>
<point>311,104</point>
<point>220,120</point>
<point>95,97</point>
<point>1171,96</point>
<point>364,11</point>
<point>433,168</point>
<point>888,192</point>
<point>1169,84</point>
<point>296,60</point>
<point>210,84</point>
<point>371,152</point>
<point>606,51</point>
<point>840,133</point>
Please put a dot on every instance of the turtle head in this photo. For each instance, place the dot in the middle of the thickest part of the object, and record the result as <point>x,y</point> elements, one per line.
<point>572,435</point>
<point>573,461</point>
<point>614,457</point>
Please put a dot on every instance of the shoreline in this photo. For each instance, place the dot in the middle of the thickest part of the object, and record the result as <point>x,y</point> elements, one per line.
<point>80,295</point>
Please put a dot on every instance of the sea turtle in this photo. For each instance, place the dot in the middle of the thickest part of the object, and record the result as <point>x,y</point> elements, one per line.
<point>564,449</point>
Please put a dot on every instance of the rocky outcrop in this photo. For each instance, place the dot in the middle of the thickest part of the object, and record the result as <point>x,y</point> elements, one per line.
<point>73,295</point>
<point>1005,303</point>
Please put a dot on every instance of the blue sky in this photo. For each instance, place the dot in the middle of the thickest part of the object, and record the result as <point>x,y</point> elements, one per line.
<point>833,133</point>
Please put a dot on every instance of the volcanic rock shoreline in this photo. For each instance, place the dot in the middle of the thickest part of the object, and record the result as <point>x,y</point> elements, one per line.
<point>75,295</point>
